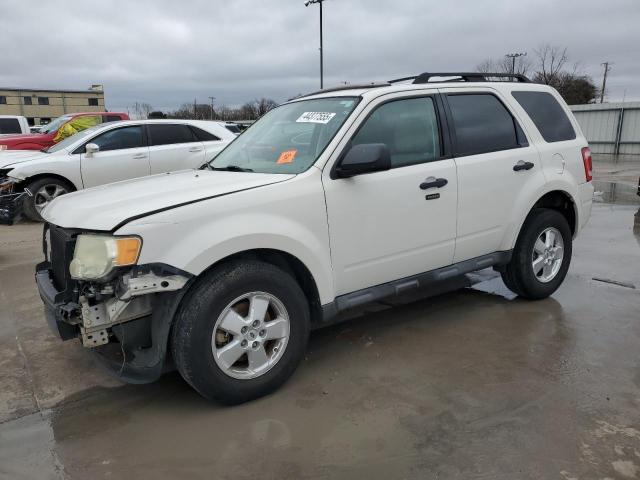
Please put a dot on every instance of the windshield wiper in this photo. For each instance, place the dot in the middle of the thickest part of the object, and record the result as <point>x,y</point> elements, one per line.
<point>232,168</point>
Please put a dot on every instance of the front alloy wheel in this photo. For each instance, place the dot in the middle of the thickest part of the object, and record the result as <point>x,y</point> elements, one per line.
<point>547,255</point>
<point>250,335</point>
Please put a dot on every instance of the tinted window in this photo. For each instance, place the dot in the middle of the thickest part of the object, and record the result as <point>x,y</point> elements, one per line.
<point>93,102</point>
<point>3,99</point>
<point>27,100</point>
<point>9,125</point>
<point>111,118</point>
<point>120,138</point>
<point>233,128</point>
<point>482,124</point>
<point>409,129</point>
<point>43,100</point>
<point>547,114</point>
<point>164,134</point>
<point>203,135</point>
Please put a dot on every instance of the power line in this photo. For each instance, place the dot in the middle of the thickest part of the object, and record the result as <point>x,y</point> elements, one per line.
<point>513,57</point>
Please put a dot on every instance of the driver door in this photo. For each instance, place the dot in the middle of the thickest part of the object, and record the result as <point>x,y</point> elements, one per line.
<point>123,155</point>
<point>392,224</point>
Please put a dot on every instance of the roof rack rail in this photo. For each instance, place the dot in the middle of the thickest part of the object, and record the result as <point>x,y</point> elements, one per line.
<point>463,77</point>
<point>356,86</point>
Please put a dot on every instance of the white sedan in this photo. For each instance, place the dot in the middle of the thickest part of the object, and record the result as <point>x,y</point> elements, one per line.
<point>109,153</point>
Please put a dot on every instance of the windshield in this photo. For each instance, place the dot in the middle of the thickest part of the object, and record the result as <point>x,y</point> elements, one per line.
<point>55,124</point>
<point>82,134</point>
<point>288,139</point>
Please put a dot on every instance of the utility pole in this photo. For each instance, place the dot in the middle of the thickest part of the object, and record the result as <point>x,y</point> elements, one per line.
<point>195,110</point>
<point>513,57</point>
<point>607,67</point>
<point>212,99</point>
<point>306,4</point>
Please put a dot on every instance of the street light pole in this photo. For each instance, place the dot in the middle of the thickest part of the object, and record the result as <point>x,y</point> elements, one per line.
<point>513,57</point>
<point>212,99</point>
<point>306,4</point>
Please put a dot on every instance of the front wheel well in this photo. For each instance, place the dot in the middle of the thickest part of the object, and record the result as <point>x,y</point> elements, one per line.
<point>562,203</point>
<point>290,264</point>
<point>39,176</point>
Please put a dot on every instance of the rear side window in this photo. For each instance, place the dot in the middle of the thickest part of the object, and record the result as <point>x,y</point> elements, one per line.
<point>483,124</point>
<point>120,138</point>
<point>203,135</point>
<point>9,125</point>
<point>547,115</point>
<point>167,134</point>
<point>409,129</point>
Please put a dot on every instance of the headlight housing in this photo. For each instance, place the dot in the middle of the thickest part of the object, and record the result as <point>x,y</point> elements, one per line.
<point>95,256</point>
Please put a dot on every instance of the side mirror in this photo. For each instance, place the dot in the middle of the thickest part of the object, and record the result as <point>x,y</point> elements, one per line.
<point>364,158</point>
<point>91,148</point>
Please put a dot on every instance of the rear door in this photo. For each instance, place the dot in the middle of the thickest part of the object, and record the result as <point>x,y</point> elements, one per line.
<point>174,146</point>
<point>498,169</point>
<point>123,154</point>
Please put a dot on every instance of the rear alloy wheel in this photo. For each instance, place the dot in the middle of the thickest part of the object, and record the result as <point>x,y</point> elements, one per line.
<point>43,191</point>
<point>541,257</point>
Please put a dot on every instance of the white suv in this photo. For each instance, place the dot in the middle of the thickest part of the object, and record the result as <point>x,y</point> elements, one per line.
<point>329,201</point>
<point>107,153</point>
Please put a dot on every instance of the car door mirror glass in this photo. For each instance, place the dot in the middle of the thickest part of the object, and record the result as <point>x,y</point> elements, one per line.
<point>91,148</point>
<point>364,158</point>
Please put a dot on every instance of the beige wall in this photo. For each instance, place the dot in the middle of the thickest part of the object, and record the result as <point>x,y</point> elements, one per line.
<point>59,103</point>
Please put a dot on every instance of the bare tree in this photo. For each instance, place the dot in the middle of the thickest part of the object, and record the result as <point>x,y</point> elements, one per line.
<point>142,110</point>
<point>551,61</point>
<point>503,65</point>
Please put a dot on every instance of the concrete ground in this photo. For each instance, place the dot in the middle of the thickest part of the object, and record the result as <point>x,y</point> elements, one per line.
<point>470,384</point>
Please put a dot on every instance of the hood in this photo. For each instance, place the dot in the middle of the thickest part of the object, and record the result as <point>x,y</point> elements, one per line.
<point>106,206</point>
<point>26,137</point>
<point>11,157</point>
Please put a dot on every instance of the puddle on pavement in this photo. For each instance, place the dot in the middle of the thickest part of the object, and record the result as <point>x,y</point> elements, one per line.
<point>615,192</point>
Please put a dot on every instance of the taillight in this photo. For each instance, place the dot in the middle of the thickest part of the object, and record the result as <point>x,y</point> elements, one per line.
<point>588,163</point>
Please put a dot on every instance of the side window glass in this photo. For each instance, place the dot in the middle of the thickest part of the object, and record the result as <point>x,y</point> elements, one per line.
<point>120,138</point>
<point>483,124</point>
<point>111,118</point>
<point>203,135</point>
<point>547,115</point>
<point>167,134</point>
<point>409,129</point>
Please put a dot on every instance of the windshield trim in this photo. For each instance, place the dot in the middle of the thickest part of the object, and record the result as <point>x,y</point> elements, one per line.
<point>356,98</point>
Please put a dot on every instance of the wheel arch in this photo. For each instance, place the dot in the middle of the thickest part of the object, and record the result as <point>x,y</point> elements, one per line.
<point>39,176</point>
<point>286,262</point>
<point>559,200</point>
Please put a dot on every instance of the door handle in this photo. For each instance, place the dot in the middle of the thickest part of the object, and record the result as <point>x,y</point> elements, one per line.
<point>139,156</point>
<point>521,165</point>
<point>433,182</point>
<point>195,149</point>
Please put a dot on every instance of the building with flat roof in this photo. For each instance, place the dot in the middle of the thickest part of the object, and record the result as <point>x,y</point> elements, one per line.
<point>40,106</point>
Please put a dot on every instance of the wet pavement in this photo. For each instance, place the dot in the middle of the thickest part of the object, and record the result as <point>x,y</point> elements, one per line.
<point>474,383</point>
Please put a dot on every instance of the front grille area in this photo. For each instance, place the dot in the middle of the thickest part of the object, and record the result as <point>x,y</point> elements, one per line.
<point>60,254</point>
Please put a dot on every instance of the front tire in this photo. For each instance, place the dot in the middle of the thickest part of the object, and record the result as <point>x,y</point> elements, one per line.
<point>43,190</point>
<point>241,331</point>
<point>541,256</point>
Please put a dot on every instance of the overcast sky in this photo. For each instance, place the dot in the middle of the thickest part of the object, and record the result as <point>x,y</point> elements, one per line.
<point>170,52</point>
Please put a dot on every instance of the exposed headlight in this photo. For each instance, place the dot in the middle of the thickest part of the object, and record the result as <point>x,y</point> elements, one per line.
<point>96,255</point>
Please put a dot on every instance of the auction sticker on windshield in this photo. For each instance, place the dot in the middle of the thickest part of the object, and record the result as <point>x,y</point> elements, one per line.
<point>287,156</point>
<point>316,117</point>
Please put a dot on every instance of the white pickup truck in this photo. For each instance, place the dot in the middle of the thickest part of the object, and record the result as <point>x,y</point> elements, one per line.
<point>13,125</point>
<point>329,201</point>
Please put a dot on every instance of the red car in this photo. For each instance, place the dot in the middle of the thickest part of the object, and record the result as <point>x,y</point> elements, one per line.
<point>60,128</point>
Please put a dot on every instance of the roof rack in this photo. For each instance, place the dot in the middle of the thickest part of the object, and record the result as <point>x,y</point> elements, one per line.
<point>463,77</point>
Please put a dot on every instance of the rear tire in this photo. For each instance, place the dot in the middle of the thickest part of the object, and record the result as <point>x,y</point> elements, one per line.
<point>541,256</point>
<point>202,337</point>
<point>43,190</point>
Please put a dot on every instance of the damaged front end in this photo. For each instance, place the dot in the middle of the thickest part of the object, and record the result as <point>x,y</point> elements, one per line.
<point>124,315</point>
<point>12,199</point>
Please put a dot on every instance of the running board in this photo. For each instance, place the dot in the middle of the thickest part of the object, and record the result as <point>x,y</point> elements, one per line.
<point>415,282</point>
